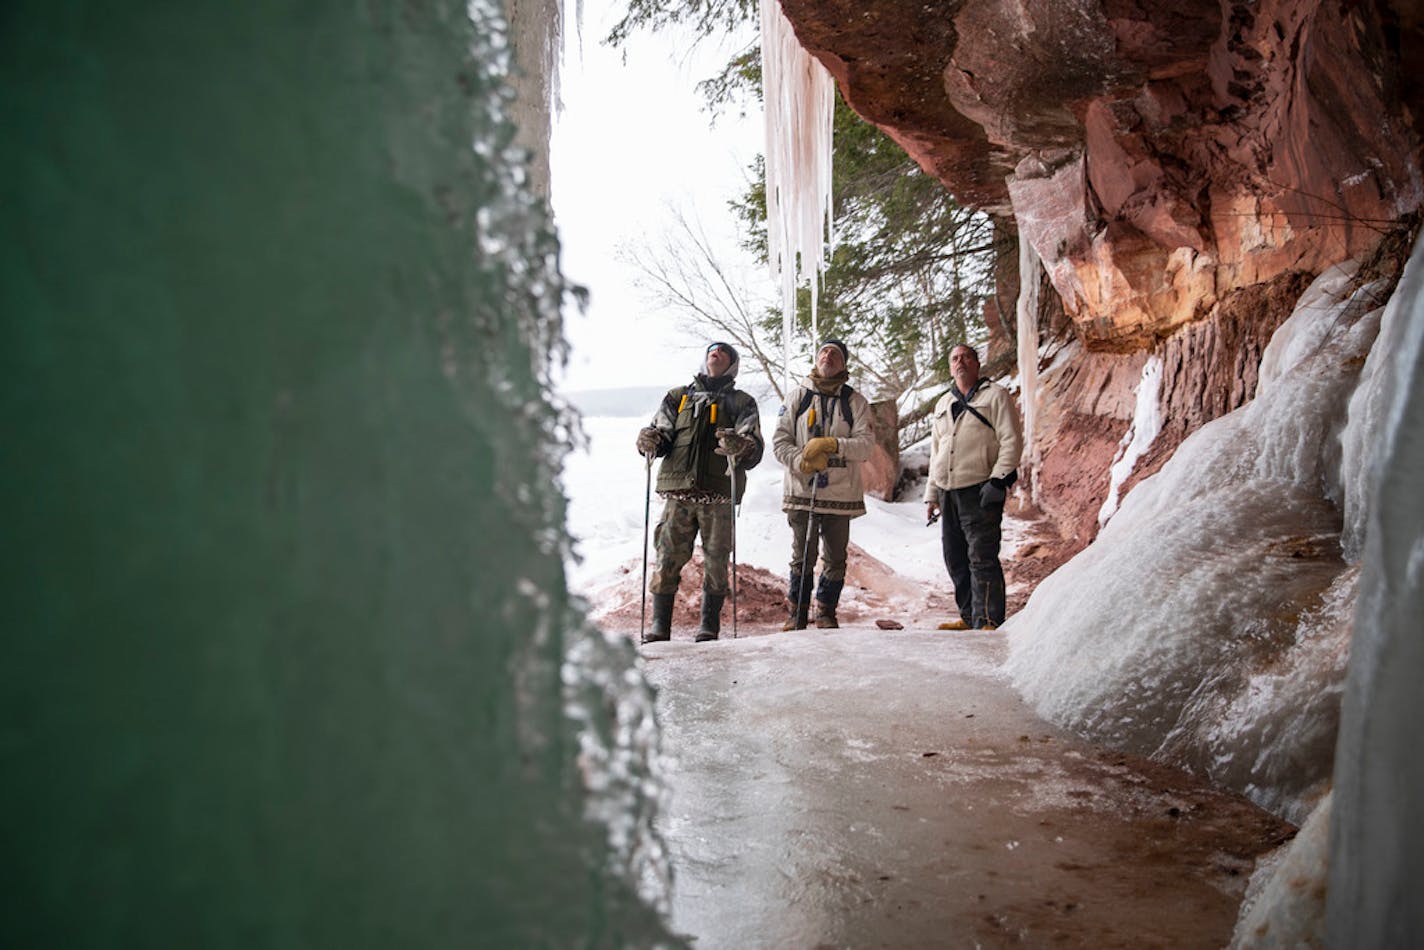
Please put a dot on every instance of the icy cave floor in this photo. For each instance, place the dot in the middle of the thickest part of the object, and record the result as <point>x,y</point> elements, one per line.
<point>870,788</point>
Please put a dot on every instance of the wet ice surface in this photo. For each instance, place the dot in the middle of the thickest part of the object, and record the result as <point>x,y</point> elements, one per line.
<point>862,787</point>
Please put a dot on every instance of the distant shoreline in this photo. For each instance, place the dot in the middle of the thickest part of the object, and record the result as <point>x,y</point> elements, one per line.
<point>636,401</point>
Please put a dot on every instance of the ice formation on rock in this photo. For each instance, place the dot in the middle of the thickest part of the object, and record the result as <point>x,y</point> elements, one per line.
<point>1030,271</point>
<point>1377,835</point>
<point>1146,423</point>
<point>1179,631</point>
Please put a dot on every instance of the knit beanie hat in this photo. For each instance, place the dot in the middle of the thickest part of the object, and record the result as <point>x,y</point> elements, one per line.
<point>845,353</point>
<point>730,350</point>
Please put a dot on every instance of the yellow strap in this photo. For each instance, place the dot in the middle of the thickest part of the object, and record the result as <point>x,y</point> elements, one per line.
<point>682,405</point>
<point>713,417</point>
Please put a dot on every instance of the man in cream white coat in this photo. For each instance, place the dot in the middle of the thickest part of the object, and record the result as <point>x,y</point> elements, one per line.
<point>975,444</point>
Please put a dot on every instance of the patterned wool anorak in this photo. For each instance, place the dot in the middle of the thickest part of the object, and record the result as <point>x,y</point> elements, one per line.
<point>839,490</point>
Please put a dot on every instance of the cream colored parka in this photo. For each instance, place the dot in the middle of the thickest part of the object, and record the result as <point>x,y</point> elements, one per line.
<point>964,451</point>
<point>843,492</point>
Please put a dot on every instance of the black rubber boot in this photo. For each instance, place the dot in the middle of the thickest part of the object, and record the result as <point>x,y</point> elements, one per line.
<point>827,597</point>
<point>711,616</point>
<point>797,606</point>
<point>662,619</point>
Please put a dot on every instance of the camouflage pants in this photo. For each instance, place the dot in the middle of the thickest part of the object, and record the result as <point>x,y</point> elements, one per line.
<point>677,529</point>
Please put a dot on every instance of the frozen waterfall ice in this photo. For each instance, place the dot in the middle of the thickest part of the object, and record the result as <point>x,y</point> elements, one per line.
<point>289,657</point>
<point>1030,280</point>
<point>799,97</point>
<point>1146,424</point>
<point>1177,632</point>
<point>1377,835</point>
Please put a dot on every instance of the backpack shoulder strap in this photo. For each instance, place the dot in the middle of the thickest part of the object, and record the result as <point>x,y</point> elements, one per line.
<point>964,401</point>
<point>806,398</point>
<point>846,412</point>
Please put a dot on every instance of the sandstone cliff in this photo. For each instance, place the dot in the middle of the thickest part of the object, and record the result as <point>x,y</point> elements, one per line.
<point>1182,170</point>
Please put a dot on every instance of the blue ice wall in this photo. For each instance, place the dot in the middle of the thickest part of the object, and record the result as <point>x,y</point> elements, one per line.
<point>284,608</point>
<point>1376,828</point>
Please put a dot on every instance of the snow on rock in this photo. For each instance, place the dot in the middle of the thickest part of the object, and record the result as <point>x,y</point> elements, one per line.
<point>1208,623</point>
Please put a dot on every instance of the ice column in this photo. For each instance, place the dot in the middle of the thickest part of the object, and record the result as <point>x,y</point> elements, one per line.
<point>800,102</point>
<point>1029,266</point>
<point>1376,858</point>
<point>1146,424</point>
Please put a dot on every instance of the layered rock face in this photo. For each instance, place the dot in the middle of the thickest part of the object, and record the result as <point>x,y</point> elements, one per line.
<point>1181,169</point>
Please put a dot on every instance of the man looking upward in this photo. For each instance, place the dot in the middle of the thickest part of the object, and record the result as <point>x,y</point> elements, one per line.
<point>695,429</point>
<point>975,444</point>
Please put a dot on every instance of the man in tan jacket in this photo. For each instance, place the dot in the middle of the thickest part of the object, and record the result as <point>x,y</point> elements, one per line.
<point>823,434</point>
<point>975,444</point>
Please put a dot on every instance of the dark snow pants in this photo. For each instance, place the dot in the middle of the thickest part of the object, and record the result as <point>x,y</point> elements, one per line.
<point>831,533</point>
<point>969,535</point>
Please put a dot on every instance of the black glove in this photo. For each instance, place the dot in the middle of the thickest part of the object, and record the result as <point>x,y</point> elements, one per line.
<point>731,444</point>
<point>649,439</point>
<point>991,495</point>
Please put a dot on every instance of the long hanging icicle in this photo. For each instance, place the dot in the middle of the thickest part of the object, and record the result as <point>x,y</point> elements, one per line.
<point>1029,273</point>
<point>800,101</point>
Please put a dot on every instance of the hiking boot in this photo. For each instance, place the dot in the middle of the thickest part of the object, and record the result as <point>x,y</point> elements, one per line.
<point>662,619</point>
<point>711,617</point>
<point>953,625</point>
<point>797,604</point>
<point>798,618</point>
<point>828,594</point>
<point>988,625</point>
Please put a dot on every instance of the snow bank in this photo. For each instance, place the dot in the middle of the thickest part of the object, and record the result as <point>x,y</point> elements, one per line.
<point>1180,631</point>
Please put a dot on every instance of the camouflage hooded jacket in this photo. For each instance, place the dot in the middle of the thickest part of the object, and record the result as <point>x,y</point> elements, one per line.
<point>688,418</point>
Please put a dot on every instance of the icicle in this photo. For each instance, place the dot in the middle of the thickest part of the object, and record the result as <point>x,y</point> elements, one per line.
<point>1029,268</point>
<point>1146,424</point>
<point>800,105</point>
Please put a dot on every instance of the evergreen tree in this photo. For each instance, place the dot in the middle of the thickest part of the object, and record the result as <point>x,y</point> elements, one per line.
<point>910,272</point>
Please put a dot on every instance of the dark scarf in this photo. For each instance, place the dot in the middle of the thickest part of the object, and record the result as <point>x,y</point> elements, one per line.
<point>713,383</point>
<point>706,390</point>
<point>827,385</point>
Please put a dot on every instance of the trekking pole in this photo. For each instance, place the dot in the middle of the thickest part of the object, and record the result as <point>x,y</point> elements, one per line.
<point>808,567</point>
<point>732,477</point>
<point>647,509</point>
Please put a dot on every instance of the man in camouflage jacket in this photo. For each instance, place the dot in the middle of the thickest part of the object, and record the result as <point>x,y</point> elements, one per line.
<point>695,430</point>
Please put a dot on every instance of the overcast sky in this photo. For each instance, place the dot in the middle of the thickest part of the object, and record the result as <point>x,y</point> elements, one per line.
<point>632,144</point>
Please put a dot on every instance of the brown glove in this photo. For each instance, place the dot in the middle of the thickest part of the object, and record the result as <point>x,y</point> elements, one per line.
<point>816,453</point>
<point>648,440</point>
<point>731,444</point>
